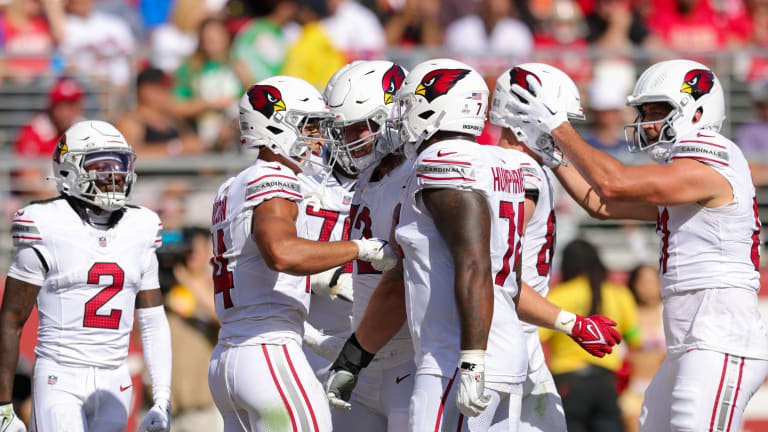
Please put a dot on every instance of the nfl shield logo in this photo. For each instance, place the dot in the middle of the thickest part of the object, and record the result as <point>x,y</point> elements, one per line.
<point>52,379</point>
<point>346,200</point>
<point>103,241</point>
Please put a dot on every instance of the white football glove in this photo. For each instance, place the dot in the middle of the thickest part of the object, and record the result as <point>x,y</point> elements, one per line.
<point>9,422</point>
<point>158,418</point>
<point>377,252</point>
<point>470,398</point>
<point>540,108</point>
<point>333,282</point>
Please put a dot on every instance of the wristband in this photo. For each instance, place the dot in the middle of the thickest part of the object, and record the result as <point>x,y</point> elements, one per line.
<point>565,321</point>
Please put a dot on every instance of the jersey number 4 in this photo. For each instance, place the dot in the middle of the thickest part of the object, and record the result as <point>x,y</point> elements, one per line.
<point>222,277</point>
<point>92,319</point>
<point>507,211</point>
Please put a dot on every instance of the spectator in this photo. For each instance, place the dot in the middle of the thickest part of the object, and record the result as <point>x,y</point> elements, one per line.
<point>354,30</point>
<point>259,48</point>
<point>615,25</point>
<point>313,57</point>
<point>194,325</point>
<point>607,101</point>
<point>750,30</point>
<point>24,32</point>
<point>38,137</point>
<point>415,23</point>
<point>563,33</point>
<point>753,137</point>
<point>645,359</point>
<point>490,31</point>
<point>586,383</point>
<point>689,25</point>
<point>208,88</point>
<point>152,127</point>
<point>172,42</point>
<point>97,45</point>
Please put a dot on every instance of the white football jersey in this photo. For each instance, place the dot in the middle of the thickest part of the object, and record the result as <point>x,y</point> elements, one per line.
<point>326,211</point>
<point>429,269</point>
<point>372,210</point>
<point>255,304</point>
<point>89,277</point>
<point>712,248</point>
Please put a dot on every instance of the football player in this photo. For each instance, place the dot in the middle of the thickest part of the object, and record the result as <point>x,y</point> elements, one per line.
<point>542,408</point>
<point>88,260</point>
<point>362,101</point>
<point>258,375</point>
<point>460,233</point>
<point>703,201</point>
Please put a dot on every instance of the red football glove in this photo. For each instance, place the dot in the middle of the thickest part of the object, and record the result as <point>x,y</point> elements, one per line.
<point>595,334</point>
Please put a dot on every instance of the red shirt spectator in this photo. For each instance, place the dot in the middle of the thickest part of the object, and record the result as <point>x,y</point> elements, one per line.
<point>24,32</point>
<point>689,25</point>
<point>38,137</point>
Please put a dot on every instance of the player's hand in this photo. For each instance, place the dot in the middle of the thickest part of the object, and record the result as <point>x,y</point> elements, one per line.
<point>9,422</point>
<point>377,252</point>
<point>158,419</point>
<point>339,388</point>
<point>333,283</point>
<point>540,107</point>
<point>470,398</point>
<point>342,375</point>
<point>595,334</point>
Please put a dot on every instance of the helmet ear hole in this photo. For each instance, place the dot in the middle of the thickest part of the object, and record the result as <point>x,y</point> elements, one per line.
<point>427,114</point>
<point>274,130</point>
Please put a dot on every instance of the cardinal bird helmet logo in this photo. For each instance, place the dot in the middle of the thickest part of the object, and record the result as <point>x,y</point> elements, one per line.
<point>520,76</point>
<point>698,82</point>
<point>266,99</point>
<point>391,82</point>
<point>439,82</point>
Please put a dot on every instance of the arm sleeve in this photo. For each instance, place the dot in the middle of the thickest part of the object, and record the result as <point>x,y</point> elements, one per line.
<point>156,343</point>
<point>28,266</point>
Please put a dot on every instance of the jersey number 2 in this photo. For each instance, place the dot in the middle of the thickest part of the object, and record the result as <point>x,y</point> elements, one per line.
<point>507,211</point>
<point>92,319</point>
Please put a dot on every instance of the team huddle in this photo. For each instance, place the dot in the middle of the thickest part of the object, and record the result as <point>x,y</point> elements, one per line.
<point>425,256</point>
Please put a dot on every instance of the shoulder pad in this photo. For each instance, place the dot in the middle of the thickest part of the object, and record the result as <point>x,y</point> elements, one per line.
<point>271,180</point>
<point>441,166</point>
<point>25,226</point>
<point>705,146</point>
<point>149,221</point>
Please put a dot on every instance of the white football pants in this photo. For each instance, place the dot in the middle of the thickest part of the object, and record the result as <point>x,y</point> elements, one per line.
<point>701,390</point>
<point>542,408</point>
<point>267,388</point>
<point>79,399</point>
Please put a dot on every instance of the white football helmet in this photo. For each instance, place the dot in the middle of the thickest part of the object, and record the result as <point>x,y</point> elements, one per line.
<point>687,86</point>
<point>552,80</point>
<point>286,115</point>
<point>440,95</point>
<point>335,77</point>
<point>94,163</point>
<point>362,99</point>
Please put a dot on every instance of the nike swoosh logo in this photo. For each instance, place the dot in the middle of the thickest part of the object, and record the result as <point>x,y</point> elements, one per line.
<point>440,153</point>
<point>593,331</point>
<point>277,168</point>
<point>122,389</point>
<point>20,212</point>
<point>550,111</point>
<point>699,135</point>
<point>398,379</point>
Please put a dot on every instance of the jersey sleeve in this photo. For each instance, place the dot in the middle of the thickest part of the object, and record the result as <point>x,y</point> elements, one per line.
<point>446,168</point>
<point>28,266</point>
<point>150,277</point>
<point>264,185</point>
<point>532,181</point>
<point>703,147</point>
<point>25,228</point>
